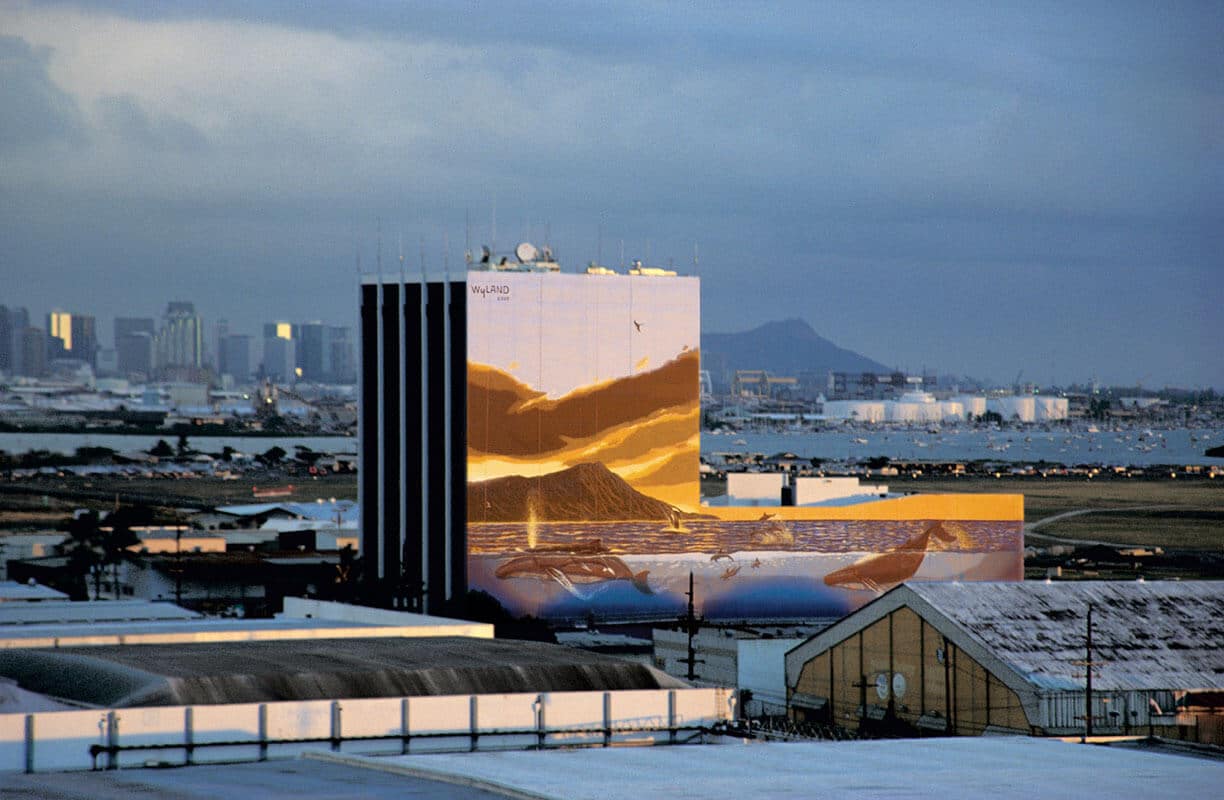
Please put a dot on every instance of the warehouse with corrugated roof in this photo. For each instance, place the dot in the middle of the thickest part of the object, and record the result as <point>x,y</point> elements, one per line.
<point>973,658</point>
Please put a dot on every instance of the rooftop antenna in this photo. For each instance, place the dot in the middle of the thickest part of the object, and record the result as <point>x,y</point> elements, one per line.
<point>467,238</point>
<point>401,256</point>
<point>423,281</point>
<point>599,243</point>
<point>694,258</point>
<point>622,251</point>
<point>446,255</point>
<point>378,255</point>
<point>493,235</point>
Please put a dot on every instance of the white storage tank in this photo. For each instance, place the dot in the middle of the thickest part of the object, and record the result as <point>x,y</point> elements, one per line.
<point>1022,408</point>
<point>973,405</point>
<point>1051,408</point>
<point>950,410</point>
<point>854,410</point>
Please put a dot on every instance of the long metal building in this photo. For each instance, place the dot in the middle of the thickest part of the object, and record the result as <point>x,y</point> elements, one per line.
<point>972,658</point>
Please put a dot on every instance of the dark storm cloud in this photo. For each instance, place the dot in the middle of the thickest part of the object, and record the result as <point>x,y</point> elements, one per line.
<point>951,185</point>
<point>35,109</point>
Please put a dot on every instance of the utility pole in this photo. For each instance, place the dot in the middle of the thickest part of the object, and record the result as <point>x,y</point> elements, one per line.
<point>178,564</point>
<point>691,625</point>
<point>947,665</point>
<point>1088,685</point>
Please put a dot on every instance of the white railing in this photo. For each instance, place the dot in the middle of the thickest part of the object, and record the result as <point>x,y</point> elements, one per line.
<point>178,735</point>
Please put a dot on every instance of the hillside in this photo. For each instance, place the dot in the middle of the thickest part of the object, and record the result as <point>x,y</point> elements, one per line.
<point>586,492</point>
<point>788,347</point>
<point>507,417</point>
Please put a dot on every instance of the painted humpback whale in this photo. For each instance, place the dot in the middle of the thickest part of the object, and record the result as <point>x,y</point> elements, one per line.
<point>570,569</point>
<point>883,571</point>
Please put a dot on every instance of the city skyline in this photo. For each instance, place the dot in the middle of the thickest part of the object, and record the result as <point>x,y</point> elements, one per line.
<point>980,191</point>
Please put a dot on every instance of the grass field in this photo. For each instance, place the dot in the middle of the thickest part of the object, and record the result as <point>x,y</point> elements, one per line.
<point>1175,514</point>
<point>1180,513</point>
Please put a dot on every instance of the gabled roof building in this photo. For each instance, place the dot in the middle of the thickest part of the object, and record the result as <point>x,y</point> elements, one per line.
<point>972,658</point>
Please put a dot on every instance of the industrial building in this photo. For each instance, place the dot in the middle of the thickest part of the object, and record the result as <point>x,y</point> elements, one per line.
<point>974,658</point>
<point>916,408</point>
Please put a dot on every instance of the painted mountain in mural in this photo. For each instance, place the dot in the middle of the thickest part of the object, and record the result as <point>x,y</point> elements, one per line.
<point>586,492</point>
<point>644,428</point>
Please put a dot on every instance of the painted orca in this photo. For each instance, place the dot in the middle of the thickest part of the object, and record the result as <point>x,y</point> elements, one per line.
<point>570,569</point>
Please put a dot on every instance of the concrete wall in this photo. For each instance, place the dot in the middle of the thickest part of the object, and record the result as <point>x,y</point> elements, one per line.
<point>303,608</point>
<point>754,488</point>
<point>61,740</point>
<point>818,490</point>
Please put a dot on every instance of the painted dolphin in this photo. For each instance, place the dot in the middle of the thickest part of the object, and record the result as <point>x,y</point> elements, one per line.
<point>570,569</point>
<point>883,571</point>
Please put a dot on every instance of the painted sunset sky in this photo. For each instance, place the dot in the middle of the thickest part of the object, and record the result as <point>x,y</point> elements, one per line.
<point>559,333</point>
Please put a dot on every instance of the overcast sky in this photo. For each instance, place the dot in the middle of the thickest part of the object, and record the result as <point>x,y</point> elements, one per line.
<point>934,185</point>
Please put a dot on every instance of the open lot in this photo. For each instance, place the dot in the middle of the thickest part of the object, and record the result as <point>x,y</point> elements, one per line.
<point>48,502</point>
<point>1181,513</point>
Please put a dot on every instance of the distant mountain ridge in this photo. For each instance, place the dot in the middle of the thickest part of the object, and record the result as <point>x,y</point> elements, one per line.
<point>787,347</point>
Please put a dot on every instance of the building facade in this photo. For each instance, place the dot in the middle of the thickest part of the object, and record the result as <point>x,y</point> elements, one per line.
<point>537,437</point>
<point>412,430</point>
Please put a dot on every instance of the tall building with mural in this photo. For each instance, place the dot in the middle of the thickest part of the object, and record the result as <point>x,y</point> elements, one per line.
<point>537,436</point>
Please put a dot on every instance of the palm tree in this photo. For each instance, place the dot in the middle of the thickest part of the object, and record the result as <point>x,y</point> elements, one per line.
<point>85,550</point>
<point>116,538</point>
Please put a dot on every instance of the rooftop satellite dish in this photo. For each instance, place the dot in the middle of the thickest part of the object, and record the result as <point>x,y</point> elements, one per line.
<point>526,252</point>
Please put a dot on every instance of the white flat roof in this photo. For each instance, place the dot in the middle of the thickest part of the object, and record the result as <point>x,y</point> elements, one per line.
<point>89,613</point>
<point>65,624</point>
<point>1000,768</point>
<point>13,591</point>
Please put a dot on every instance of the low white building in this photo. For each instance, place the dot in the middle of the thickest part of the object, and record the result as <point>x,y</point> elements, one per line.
<point>766,489</point>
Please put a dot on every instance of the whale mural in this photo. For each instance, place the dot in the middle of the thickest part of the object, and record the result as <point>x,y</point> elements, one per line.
<point>583,426</point>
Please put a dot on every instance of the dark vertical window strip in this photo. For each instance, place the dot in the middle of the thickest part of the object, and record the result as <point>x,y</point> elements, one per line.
<point>437,433</point>
<point>368,437</point>
<point>392,424</point>
<point>413,487</point>
<point>458,438</point>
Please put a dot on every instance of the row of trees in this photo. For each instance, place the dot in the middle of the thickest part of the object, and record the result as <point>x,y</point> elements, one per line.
<point>95,546</point>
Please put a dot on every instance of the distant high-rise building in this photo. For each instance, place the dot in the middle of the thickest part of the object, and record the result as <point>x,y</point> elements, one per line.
<point>279,359</point>
<point>72,336</point>
<point>278,330</point>
<point>220,331</point>
<point>343,355</point>
<point>134,346</point>
<point>234,357</point>
<point>314,351</point>
<point>179,345</point>
<point>13,324</point>
<point>59,334</point>
<point>34,352</point>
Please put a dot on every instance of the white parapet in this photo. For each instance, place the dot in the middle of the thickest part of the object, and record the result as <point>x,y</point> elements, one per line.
<point>754,488</point>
